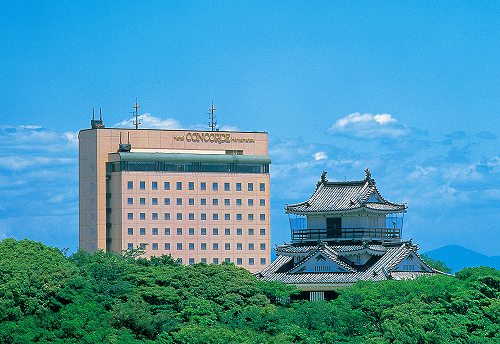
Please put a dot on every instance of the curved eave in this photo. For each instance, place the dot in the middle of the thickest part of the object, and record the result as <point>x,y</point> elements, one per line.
<point>345,211</point>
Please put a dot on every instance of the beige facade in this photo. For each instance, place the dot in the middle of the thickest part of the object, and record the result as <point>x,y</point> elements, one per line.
<point>198,196</point>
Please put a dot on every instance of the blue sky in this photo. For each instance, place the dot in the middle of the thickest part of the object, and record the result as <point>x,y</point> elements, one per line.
<point>407,89</point>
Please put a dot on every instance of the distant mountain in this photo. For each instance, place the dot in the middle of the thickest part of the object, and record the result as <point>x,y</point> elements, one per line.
<point>458,257</point>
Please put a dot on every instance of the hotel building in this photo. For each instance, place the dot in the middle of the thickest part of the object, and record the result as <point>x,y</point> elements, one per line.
<point>199,196</point>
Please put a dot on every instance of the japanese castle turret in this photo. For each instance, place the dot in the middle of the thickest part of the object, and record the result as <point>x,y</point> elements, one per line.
<point>345,232</point>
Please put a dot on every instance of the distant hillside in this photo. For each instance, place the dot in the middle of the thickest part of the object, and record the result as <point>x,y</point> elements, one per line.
<point>458,257</point>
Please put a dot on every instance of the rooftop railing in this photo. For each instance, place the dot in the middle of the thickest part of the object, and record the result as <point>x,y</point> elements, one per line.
<point>299,235</point>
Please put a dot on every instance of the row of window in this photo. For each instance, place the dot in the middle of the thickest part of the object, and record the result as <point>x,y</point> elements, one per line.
<point>202,186</point>
<point>215,246</point>
<point>239,261</point>
<point>191,201</point>
<point>203,231</point>
<point>191,216</point>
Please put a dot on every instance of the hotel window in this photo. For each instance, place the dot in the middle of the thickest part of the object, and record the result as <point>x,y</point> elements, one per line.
<point>191,261</point>
<point>142,185</point>
<point>238,201</point>
<point>154,186</point>
<point>215,231</point>
<point>227,201</point>
<point>179,246</point>
<point>178,186</point>
<point>239,231</point>
<point>227,260</point>
<point>179,216</point>
<point>262,217</point>
<point>250,217</point>
<point>203,246</point>
<point>191,231</point>
<point>167,246</point>
<point>154,201</point>
<point>227,217</point>
<point>215,246</point>
<point>215,201</point>
<point>130,200</point>
<point>262,261</point>
<point>262,231</point>
<point>154,216</point>
<point>166,201</point>
<point>239,246</point>
<point>215,216</point>
<point>215,186</point>
<point>203,231</point>
<point>203,216</point>
<point>191,246</point>
<point>250,231</point>
<point>251,261</point>
<point>250,202</point>
<point>179,231</point>
<point>130,246</point>
<point>191,216</point>
<point>203,201</point>
<point>142,245</point>
<point>166,216</point>
<point>130,185</point>
<point>239,217</point>
<point>250,246</point>
<point>154,231</point>
<point>155,246</point>
<point>227,246</point>
<point>262,246</point>
<point>203,260</point>
<point>142,201</point>
<point>179,260</point>
<point>142,216</point>
<point>130,231</point>
<point>191,201</point>
<point>227,231</point>
<point>215,260</point>
<point>166,231</point>
<point>238,186</point>
<point>262,187</point>
<point>239,261</point>
<point>250,186</point>
<point>262,202</point>
<point>178,201</point>
<point>203,186</point>
<point>226,187</point>
<point>130,216</point>
<point>191,185</point>
<point>142,231</point>
<point>166,185</point>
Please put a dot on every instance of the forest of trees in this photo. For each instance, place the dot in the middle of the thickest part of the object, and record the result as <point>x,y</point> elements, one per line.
<point>46,296</point>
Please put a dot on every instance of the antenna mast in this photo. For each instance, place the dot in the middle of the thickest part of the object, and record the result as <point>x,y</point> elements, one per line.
<point>136,114</point>
<point>211,116</point>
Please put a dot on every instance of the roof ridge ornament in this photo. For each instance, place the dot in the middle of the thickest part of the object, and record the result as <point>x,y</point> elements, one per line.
<point>323,179</point>
<point>368,177</point>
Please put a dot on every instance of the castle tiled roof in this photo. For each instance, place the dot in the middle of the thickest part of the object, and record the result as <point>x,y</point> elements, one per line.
<point>379,267</point>
<point>331,197</point>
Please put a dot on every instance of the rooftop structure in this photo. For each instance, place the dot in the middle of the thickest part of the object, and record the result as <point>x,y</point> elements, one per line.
<point>345,232</point>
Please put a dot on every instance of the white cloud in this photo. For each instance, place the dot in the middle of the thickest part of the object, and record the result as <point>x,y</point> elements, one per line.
<point>320,156</point>
<point>369,126</point>
<point>151,122</point>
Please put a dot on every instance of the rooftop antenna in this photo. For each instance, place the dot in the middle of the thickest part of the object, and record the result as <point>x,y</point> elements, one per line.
<point>211,116</point>
<point>136,114</point>
<point>94,123</point>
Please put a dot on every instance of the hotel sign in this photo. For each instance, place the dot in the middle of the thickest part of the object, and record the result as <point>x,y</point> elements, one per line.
<point>212,137</point>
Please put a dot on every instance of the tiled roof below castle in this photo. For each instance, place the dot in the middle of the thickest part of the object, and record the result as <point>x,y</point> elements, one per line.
<point>332,265</point>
